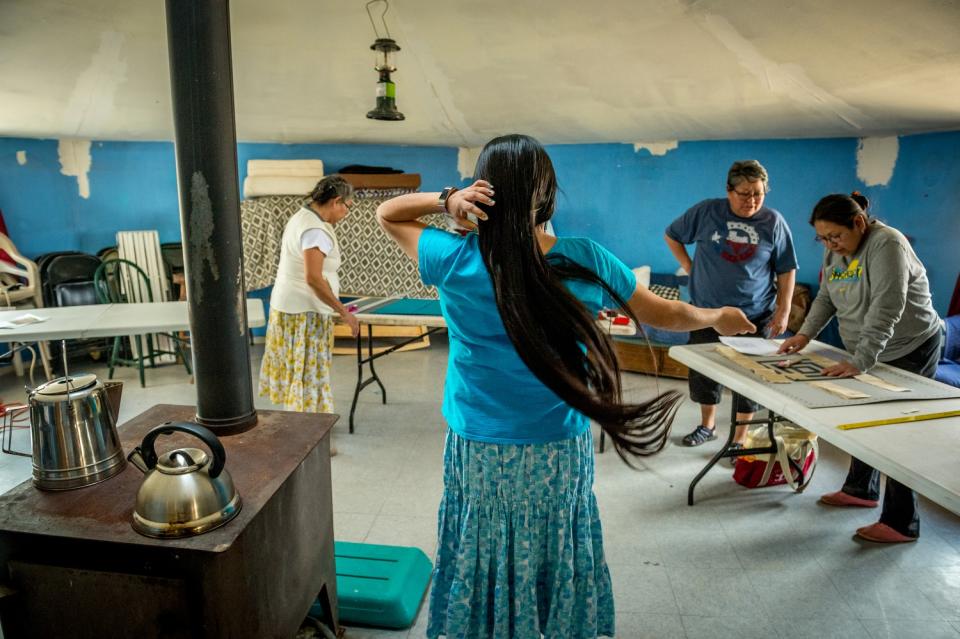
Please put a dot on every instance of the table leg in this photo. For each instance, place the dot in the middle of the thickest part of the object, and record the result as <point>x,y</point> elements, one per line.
<point>369,359</point>
<point>360,383</point>
<point>45,359</point>
<point>771,420</point>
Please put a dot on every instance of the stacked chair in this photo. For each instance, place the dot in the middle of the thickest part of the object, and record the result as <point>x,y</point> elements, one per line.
<point>67,278</point>
<point>20,288</point>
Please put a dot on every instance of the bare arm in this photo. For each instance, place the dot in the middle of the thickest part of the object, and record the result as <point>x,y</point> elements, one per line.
<point>678,316</point>
<point>781,314</point>
<point>313,273</point>
<point>679,253</point>
<point>400,216</point>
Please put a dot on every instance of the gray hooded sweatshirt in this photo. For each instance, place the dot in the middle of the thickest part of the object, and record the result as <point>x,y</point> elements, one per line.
<point>881,298</point>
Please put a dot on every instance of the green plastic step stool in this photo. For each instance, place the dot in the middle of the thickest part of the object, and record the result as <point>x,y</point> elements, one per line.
<point>379,586</point>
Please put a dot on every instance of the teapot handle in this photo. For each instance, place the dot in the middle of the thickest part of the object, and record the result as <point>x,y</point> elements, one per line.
<point>205,434</point>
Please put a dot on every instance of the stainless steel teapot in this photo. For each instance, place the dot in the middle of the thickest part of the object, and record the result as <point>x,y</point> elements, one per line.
<point>185,492</point>
<point>74,429</point>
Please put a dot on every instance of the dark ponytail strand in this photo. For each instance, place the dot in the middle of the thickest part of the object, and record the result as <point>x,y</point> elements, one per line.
<point>860,199</point>
<point>551,330</point>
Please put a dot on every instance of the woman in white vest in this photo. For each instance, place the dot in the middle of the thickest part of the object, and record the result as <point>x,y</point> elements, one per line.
<point>295,370</point>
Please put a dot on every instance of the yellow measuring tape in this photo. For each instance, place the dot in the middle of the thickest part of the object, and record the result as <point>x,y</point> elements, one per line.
<point>900,420</point>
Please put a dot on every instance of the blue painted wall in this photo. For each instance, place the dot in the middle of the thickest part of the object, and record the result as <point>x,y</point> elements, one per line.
<point>620,197</point>
<point>133,185</point>
<point>625,199</point>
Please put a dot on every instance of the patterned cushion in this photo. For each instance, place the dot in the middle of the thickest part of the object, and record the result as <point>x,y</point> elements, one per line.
<point>261,225</point>
<point>372,263</point>
<point>666,292</point>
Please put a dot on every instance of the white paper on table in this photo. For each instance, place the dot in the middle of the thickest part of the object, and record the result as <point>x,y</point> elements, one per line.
<point>751,345</point>
<point>23,320</point>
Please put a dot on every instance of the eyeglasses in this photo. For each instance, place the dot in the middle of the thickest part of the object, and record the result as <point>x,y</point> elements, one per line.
<point>830,238</point>
<point>750,195</point>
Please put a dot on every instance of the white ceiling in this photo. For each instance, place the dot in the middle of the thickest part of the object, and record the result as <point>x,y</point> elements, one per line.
<point>565,71</point>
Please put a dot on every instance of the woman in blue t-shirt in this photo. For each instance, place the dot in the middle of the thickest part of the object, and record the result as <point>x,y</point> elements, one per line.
<point>520,550</point>
<point>744,258</point>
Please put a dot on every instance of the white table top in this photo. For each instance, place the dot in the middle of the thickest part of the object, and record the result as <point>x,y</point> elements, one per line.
<point>922,455</point>
<point>109,320</point>
<point>384,319</point>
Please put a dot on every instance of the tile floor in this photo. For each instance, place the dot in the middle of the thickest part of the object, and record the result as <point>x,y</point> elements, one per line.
<point>742,564</point>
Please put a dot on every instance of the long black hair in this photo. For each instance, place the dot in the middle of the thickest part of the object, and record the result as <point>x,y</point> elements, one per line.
<point>552,331</point>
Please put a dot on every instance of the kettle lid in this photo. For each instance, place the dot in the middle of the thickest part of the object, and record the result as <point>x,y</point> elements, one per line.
<point>69,384</point>
<point>182,461</point>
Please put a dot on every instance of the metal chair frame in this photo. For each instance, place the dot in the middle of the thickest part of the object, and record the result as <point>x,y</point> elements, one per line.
<point>120,281</point>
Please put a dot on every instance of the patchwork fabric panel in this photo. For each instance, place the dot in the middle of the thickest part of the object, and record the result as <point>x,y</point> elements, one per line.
<point>372,263</point>
<point>666,292</point>
<point>262,220</point>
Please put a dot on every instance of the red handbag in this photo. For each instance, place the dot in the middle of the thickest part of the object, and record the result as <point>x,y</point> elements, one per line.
<point>793,463</point>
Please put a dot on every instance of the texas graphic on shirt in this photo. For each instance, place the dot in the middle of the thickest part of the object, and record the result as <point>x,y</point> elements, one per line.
<point>739,244</point>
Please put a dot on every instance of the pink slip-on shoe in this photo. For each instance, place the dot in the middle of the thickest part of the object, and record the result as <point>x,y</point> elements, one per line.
<point>842,499</point>
<point>882,534</point>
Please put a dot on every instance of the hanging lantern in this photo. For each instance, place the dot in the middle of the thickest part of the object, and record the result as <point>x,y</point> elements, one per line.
<point>385,50</point>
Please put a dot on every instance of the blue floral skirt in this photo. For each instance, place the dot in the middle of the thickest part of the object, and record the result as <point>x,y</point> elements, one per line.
<point>520,549</point>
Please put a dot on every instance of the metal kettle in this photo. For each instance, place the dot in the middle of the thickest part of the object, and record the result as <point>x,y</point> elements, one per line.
<point>74,429</point>
<point>185,492</point>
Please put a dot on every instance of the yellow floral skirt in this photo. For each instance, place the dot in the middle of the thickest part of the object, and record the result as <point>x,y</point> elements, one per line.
<point>295,371</point>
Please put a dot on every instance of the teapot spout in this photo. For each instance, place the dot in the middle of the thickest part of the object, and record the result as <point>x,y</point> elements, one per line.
<point>136,458</point>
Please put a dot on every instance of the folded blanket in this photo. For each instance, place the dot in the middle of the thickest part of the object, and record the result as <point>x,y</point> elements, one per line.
<point>257,186</point>
<point>292,168</point>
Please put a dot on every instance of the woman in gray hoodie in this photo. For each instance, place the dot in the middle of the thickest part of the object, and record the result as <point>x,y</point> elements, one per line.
<point>878,289</point>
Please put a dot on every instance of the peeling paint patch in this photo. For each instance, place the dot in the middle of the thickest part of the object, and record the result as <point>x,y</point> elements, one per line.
<point>240,301</point>
<point>201,234</point>
<point>467,160</point>
<point>787,80</point>
<point>75,160</point>
<point>656,148</point>
<point>876,159</point>
<point>21,157</point>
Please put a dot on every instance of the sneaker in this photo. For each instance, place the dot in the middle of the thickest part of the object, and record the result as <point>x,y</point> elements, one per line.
<point>844,500</point>
<point>699,435</point>
<point>883,534</point>
<point>734,446</point>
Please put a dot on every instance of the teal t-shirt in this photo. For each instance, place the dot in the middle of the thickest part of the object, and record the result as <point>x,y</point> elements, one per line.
<point>490,394</point>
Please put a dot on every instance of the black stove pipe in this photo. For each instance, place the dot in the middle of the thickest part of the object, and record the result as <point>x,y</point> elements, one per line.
<point>201,76</point>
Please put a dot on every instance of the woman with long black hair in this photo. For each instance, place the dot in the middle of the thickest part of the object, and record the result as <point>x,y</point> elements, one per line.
<point>520,551</point>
